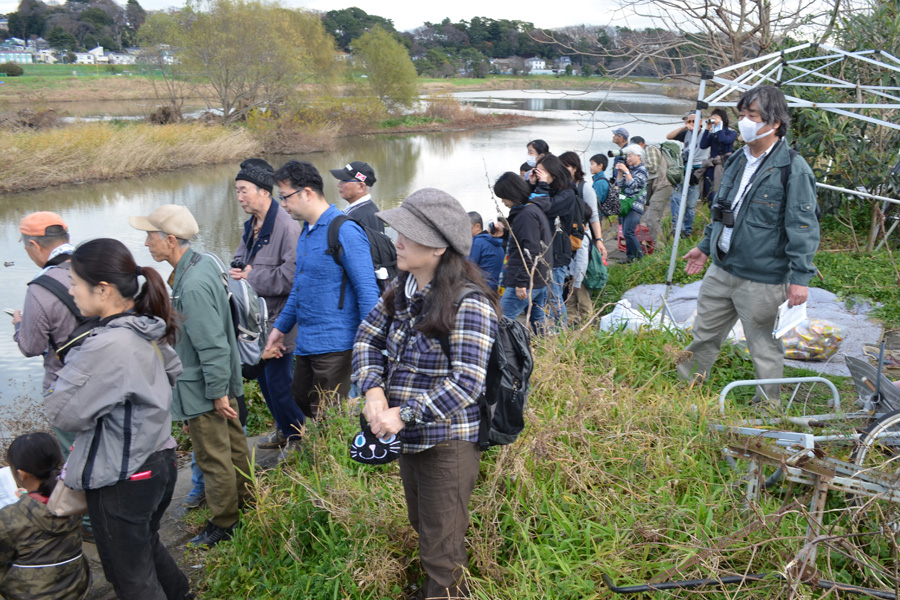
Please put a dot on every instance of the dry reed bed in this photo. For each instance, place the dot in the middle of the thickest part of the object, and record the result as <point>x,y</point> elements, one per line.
<point>100,151</point>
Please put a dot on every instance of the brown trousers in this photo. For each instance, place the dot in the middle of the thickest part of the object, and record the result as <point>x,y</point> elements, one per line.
<point>438,484</point>
<point>317,375</point>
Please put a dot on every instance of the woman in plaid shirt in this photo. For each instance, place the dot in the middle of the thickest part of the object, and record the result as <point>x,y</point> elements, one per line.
<point>415,390</point>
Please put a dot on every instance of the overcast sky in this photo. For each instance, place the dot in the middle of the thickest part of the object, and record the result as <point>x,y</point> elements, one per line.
<point>409,15</point>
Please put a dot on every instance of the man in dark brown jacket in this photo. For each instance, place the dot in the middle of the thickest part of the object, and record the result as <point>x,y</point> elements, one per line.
<point>266,258</point>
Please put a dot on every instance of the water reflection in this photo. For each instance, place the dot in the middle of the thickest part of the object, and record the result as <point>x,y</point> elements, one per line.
<point>464,163</point>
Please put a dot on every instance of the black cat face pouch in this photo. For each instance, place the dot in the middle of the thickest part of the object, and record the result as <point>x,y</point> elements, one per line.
<point>367,449</point>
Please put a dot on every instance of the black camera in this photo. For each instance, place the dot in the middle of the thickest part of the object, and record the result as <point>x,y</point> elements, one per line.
<point>238,264</point>
<point>725,215</point>
<point>710,121</point>
<point>492,227</point>
<point>615,153</point>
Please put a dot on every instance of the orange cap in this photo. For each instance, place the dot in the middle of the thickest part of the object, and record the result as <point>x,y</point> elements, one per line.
<point>37,223</point>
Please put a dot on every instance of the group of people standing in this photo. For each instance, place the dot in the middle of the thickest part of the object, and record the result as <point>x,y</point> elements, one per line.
<point>417,352</point>
<point>177,349</point>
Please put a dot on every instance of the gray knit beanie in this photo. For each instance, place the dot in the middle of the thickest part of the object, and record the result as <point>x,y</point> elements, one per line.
<point>433,218</point>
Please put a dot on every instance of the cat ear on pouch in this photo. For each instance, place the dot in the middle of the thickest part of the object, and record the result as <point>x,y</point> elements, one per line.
<point>367,449</point>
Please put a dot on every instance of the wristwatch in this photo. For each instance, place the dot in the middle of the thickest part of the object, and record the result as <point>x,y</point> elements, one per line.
<point>407,415</point>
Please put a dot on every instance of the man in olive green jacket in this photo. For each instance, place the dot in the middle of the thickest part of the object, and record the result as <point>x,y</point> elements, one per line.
<point>205,394</point>
<point>762,241</point>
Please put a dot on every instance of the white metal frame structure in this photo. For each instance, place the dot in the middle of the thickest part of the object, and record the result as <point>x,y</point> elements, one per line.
<point>792,75</point>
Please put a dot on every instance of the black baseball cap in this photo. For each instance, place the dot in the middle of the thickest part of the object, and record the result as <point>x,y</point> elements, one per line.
<point>357,170</point>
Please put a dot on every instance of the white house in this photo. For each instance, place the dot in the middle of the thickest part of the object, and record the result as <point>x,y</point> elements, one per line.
<point>535,63</point>
<point>117,58</point>
<point>91,57</point>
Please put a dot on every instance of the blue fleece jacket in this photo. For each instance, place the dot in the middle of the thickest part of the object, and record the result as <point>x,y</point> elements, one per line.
<point>601,188</point>
<point>313,303</point>
<point>488,253</point>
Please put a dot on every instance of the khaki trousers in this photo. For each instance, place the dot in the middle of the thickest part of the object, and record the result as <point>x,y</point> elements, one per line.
<point>220,449</point>
<point>659,194</point>
<point>579,305</point>
<point>438,484</point>
<point>725,298</point>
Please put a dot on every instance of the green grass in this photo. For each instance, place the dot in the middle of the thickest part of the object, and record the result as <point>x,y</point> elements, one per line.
<point>616,472</point>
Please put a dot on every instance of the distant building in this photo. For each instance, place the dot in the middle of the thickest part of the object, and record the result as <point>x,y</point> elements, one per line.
<point>536,64</point>
<point>92,57</point>
<point>4,24</point>
<point>16,56</point>
<point>48,57</point>
<point>562,62</point>
<point>118,58</point>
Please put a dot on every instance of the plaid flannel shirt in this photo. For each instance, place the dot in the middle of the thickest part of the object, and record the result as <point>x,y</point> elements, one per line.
<point>653,158</point>
<point>414,371</point>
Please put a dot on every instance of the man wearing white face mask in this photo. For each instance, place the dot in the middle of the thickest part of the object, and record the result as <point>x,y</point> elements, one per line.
<point>762,241</point>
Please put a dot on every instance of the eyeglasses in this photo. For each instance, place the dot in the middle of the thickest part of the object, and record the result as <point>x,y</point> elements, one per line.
<point>285,197</point>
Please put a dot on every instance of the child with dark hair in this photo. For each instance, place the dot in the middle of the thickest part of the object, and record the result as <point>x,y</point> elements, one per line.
<point>599,162</point>
<point>40,553</point>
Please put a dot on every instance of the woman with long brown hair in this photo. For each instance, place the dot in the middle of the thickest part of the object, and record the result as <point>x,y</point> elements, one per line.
<point>115,390</point>
<point>420,358</point>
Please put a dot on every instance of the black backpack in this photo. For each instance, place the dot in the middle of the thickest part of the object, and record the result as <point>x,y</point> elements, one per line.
<point>384,255</point>
<point>610,205</point>
<point>83,326</point>
<point>509,370</point>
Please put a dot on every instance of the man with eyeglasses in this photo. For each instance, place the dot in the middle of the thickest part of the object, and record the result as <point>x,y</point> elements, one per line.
<point>328,301</point>
<point>265,258</point>
<point>684,134</point>
<point>355,183</point>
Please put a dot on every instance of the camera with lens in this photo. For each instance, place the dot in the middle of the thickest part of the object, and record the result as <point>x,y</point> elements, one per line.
<point>710,121</point>
<point>615,153</point>
<point>723,214</point>
<point>238,264</point>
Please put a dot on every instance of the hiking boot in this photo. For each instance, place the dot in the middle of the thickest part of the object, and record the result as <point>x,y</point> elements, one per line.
<point>292,446</point>
<point>273,441</point>
<point>195,499</point>
<point>212,535</point>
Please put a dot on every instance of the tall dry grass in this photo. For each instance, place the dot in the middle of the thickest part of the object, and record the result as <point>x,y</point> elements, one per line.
<point>615,473</point>
<point>98,151</point>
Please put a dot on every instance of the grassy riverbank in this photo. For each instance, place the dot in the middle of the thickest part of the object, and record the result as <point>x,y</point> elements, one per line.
<point>85,83</point>
<point>102,151</point>
<point>615,473</point>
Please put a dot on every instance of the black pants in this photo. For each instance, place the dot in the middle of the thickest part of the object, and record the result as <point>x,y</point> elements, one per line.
<point>125,517</point>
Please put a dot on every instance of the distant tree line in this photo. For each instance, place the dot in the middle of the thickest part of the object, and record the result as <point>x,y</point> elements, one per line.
<point>78,25</point>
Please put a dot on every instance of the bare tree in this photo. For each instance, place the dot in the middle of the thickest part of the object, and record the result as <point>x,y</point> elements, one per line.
<point>240,55</point>
<point>687,36</point>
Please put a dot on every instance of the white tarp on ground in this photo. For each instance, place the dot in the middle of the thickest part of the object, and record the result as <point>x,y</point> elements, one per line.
<point>856,326</point>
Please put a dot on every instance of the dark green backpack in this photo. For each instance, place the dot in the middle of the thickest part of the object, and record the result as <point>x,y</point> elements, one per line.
<point>674,162</point>
<point>597,273</point>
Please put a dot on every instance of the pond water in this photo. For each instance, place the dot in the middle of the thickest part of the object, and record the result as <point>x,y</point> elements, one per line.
<point>463,163</point>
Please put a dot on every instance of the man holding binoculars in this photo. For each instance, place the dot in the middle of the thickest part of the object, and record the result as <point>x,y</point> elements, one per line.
<point>762,241</point>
